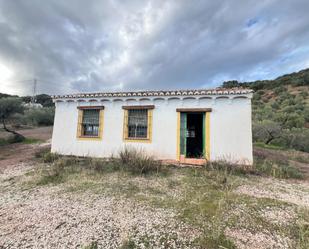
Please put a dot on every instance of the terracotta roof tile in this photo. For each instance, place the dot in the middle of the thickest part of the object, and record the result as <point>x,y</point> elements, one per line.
<point>217,91</point>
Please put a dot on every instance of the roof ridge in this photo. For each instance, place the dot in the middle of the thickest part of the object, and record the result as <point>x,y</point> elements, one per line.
<point>140,93</point>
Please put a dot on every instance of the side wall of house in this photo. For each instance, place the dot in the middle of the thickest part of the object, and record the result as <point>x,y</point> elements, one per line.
<point>230,128</point>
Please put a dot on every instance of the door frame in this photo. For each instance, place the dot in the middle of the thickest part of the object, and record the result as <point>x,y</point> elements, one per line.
<point>206,131</point>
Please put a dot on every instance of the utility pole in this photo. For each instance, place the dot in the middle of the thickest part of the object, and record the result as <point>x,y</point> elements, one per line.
<point>34,91</point>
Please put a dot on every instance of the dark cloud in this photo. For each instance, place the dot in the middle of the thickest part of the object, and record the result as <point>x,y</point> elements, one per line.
<point>73,46</point>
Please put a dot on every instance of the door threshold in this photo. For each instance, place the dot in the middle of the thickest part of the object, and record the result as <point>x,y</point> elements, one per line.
<point>192,161</point>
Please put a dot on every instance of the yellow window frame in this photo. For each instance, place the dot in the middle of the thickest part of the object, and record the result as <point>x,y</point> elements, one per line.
<point>80,135</point>
<point>126,137</point>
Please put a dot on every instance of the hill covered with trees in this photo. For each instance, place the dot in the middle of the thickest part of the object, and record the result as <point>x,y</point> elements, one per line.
<point>280,110</point>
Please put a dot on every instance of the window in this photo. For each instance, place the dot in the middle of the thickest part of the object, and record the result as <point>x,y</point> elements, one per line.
<point>90,122</point>
<point>137,123</point>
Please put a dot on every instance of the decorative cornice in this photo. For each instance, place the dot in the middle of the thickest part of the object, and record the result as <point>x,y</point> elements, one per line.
<point>217,91</point>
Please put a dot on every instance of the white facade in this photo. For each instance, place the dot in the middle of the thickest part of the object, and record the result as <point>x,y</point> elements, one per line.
<point>230,135</point>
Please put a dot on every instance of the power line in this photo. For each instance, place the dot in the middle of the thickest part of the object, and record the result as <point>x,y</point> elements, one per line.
<point>34,90</point>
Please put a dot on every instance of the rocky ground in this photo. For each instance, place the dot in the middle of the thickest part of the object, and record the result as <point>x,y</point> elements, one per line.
<point>87,213</point>
<point>47,217</point>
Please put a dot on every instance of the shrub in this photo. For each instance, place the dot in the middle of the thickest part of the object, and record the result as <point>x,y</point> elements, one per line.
<point>138,162</point>
<point>228,167</point>
<point>41,152</point>
<point>130,160</point>
<point>103,165</point>
<point>16,138</point>
<point>50,157</point>
<point>3,141</point>
<point>298,139</point>
<point>275,167</point>
<point>263,165</point>
<point>39,116</point>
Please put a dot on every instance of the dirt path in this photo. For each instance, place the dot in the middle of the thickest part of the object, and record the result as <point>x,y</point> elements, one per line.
<point>13,154</point>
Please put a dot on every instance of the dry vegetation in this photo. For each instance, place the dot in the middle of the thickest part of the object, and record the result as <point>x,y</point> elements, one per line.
<point>135,202</point>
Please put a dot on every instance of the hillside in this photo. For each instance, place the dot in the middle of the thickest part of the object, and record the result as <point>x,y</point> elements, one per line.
<point>280,110</point>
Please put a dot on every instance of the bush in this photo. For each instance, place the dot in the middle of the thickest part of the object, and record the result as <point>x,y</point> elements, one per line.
<point>3,141</point>
<point>39,116</point>
<point>229,167</point>
<point>16,138</point>
<point>263,165</point>
<point>130,160</point>
<point>280,169</point>
<point>47,156</point>
<point>138,162</point>
<point>298,139</point>
<point>103,165</point>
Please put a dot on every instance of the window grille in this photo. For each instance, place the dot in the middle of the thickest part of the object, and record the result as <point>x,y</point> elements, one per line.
<point>91,122</point>
<point>137,123</point>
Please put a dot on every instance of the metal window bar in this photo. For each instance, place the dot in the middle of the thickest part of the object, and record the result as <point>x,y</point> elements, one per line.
<point>91,122</point>
<point>137,123</point>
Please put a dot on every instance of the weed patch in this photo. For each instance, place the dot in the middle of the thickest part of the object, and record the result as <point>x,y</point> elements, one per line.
<point>276,168</point>
<point>262,166</point>
<point>138,162</point>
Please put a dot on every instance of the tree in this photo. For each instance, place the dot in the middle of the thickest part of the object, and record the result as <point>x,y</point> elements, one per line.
<point>45,100</point>
<point>40,116</point>
<point>9,107</point>
<point>266,131</point>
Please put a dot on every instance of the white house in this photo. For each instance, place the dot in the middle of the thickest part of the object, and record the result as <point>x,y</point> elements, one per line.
<point>188,126</point>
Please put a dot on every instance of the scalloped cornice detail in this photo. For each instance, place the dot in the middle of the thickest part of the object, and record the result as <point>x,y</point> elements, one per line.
<point>217,91</point>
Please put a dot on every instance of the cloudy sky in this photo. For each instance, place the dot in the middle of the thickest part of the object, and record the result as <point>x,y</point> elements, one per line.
<point>112,45</point>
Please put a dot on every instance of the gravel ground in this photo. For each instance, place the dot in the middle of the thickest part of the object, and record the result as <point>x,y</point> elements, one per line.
<point>52,217</point>
<point>245,239</point>
<point>295,192</point>
<point>48,217</point>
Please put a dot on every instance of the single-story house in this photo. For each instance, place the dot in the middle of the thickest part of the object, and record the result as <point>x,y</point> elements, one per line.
<point>188,126</point>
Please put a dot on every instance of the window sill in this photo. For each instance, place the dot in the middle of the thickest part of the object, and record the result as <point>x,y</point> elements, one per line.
<point>89,138</point>
<point>137,140</point>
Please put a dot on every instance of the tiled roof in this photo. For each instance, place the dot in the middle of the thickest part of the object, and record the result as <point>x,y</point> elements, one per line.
<point>217,91</point>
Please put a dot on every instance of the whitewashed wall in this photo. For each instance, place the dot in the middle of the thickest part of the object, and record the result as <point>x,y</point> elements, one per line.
<point>230,127</point>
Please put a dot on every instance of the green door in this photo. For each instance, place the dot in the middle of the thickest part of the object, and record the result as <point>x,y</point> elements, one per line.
<point>183,133</point>
<point>204,135</point>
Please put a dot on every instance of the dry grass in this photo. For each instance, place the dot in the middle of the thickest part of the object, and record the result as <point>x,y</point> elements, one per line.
<point>116,205</point>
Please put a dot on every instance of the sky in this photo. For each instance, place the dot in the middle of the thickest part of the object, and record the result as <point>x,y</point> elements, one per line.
<point>116,45</point>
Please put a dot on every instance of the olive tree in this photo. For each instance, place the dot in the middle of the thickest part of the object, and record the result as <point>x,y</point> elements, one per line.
<point>266,131</point>
<point>9,107</point>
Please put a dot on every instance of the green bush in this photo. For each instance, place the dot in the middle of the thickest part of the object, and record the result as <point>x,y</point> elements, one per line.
<point>297,139</point>
<point>3,141</point>
<point>38,116</point>
<point>16,138</point>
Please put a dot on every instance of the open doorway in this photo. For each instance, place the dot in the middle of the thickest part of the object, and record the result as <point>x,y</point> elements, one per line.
<point>194,144</point>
